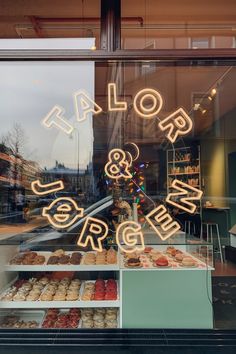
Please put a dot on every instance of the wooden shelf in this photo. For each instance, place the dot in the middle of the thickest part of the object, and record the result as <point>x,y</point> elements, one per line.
<point>184,173</point>
<point>181,161</point>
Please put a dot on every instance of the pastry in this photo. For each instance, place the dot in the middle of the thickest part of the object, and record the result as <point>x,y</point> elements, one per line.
<point>88,311</point>
<point>179,257</point>
<point>99,324</point>
<point>19,297</point>
<point>75,258</point>
<point>169,249</point>
<point>64,259</point>
<point>188,262</point>
<point>148,249</point>
<point>53,260</point>
<point>56,319</point>
<point>59,297</point>
<point>46,297</point>
<point>110,316</point>
<point>162,262</point>
<point>72,296</point>
<point>133,262</point>
<point>173,252</point>
<point>111,324</point>
<point>39,260</point>
<point>87,324</point>
<point>32,297</point>
<point>86,296</point>
<point>59,253</point>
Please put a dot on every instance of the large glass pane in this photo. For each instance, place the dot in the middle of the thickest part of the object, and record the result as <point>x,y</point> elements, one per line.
<point>50,19</point>
<point>91,154</point>
<point>180,24</point>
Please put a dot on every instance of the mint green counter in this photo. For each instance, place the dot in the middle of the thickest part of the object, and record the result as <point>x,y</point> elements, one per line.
<point>166,299</point>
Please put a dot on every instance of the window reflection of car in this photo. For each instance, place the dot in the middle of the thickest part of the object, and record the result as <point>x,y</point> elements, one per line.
<point>73,195</point>
<point>45,201</point>
<point>68,236</point>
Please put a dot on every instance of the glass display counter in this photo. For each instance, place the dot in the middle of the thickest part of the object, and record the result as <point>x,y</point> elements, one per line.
<point>55,285</point>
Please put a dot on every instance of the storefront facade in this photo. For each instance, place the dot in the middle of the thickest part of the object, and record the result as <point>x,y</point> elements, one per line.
<point>117,178</point>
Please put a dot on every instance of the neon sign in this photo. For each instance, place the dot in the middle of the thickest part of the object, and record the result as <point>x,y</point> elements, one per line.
<point>84,105</point>
<point>146,111</point>
<point>43,189</point>
<point>130,234</point>
<point>160,216</point>
<point>94,232</point>
<point>63,212</point>
<point>184,190</point>
<point>177,124</point>
<point>55,118</point>
<point>117,165</point>
<point>147,104</point>
<point>113,103</point>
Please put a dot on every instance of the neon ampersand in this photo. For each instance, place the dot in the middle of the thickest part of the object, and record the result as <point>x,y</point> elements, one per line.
<point>93,232</point>
<point>184,197</point>
<point>160,216</point>
<point>177,124</point>
<point>117,165</point>
<point>129,232</point>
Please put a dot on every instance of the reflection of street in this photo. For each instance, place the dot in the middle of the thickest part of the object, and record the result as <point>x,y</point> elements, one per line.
<point>8,230</point>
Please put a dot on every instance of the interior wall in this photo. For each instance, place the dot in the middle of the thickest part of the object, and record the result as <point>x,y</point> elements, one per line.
<point>213,171</point>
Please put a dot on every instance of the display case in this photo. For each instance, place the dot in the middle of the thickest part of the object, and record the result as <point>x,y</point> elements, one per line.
<point>55,285</point>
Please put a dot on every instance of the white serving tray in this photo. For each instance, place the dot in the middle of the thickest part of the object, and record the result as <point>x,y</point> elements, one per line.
<point>174,264</point>
<point>28,315</point>
<point>60,312</point>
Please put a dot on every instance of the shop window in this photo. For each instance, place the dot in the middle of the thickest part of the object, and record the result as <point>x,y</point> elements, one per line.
<point>173,131</point>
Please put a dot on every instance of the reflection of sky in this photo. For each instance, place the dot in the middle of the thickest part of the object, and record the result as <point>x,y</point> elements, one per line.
<point>29,90</point>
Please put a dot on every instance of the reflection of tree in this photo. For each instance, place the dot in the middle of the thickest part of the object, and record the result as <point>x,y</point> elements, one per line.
<point>4,164</point>
<point>15,139</point>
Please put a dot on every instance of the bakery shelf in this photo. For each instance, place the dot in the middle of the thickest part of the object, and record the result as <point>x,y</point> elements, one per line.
<point>56,304</point>
<point>59,267</point>
<point>180,161</point>
<point>183,173</point>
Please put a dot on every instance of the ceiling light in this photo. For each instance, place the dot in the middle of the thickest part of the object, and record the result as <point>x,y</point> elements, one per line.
<point>213,91</point>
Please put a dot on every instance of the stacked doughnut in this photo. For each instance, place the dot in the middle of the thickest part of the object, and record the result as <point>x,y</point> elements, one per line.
<point>99,318</point>
<point>28,258</point>
<point>55,318</point>
<point>105,290</point>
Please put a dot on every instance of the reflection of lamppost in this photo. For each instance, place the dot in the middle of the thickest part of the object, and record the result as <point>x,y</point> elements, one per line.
<point>76,137</point>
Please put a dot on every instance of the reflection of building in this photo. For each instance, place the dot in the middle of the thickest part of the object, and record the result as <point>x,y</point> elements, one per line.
<point>74,181</point>
<point>16,174</point>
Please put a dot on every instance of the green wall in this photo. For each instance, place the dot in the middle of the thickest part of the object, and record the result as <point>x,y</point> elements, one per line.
<point>167,299</point>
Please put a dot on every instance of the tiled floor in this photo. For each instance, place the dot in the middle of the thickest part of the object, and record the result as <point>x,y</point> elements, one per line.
<point>224,295</point>
<point>224,269</point>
